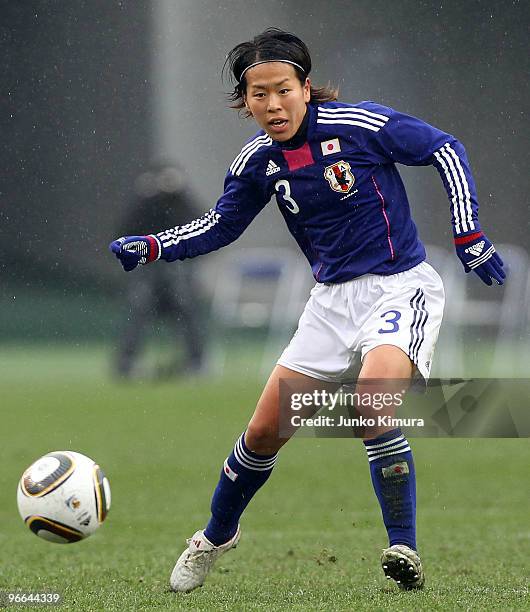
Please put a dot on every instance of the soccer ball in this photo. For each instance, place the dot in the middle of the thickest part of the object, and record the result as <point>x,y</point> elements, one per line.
<point>63,497</point>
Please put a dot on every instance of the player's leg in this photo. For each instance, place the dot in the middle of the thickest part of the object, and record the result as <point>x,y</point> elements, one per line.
<point>251,461</point>
<point>244,472</point>
<point>392,469</point>
<point>407,313</point>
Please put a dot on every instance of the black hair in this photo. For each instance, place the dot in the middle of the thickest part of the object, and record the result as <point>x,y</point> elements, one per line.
<point>272,44</point>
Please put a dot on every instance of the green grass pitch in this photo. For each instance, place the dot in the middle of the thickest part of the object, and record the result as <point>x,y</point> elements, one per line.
<point>311,537</point>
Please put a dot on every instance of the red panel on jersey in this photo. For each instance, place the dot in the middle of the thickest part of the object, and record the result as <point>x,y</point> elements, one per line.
<point>299,157</point>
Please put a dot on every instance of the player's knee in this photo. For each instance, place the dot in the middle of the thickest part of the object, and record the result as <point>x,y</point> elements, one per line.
<point>387,361</point>
<point>262,438</point>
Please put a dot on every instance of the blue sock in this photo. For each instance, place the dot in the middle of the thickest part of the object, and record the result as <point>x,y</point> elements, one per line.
<point>394,480</point>
<point>243,473</point>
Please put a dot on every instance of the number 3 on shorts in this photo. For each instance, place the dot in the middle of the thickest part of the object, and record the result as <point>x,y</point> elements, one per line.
<point>391,317</point>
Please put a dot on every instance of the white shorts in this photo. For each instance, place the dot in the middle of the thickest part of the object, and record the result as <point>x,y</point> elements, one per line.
<point>342,322</point>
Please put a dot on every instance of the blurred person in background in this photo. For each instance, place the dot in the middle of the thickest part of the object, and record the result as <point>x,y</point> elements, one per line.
<point>170,295</point>
<point>376,309</point>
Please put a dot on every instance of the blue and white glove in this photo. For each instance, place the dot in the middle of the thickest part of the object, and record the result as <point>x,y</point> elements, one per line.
<point>477,253</point>
<point>134,250</point>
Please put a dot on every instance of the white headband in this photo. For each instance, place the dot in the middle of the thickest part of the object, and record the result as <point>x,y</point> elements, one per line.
<point>266,62</point>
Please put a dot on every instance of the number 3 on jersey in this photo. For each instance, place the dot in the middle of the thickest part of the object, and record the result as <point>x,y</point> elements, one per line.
<point>285,197</point>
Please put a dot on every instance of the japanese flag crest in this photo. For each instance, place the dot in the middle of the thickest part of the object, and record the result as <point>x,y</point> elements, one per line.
<point>340,176</point>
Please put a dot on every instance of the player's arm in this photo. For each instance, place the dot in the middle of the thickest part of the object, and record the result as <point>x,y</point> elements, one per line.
<point>241,201</point>
<point>411,141</point>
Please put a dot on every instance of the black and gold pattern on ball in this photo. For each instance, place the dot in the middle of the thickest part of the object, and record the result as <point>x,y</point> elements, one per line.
<point>48,484</point>
<point>99,492</point>
<point>40,523</point>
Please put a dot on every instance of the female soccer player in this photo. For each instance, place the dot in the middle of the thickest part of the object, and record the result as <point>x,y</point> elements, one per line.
<point>377,302</point>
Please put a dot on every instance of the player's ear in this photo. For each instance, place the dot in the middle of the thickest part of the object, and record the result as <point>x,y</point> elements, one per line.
<point>307,90</point>
<point>246,105</point>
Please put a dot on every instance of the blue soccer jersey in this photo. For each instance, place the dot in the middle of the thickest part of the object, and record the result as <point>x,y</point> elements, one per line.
<point>339,192</point>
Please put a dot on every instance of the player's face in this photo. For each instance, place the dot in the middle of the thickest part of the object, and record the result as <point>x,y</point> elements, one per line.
<point>276,98</point>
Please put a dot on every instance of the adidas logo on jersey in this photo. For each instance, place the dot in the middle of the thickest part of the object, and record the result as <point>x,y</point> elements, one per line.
<point>476,249</point>
<point>272,168</point>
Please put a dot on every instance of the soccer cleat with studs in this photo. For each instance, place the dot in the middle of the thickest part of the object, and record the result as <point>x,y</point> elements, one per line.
<point>196,561</point>
<point>402,564</point>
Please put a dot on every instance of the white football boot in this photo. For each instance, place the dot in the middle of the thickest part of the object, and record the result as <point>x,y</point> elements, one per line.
<point>196,561</point>
<point>403,565</point>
